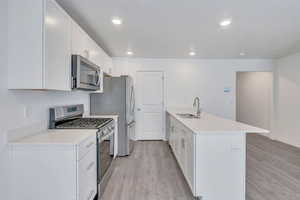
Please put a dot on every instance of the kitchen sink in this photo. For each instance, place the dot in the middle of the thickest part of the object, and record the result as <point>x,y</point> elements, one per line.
<point>187,115</point>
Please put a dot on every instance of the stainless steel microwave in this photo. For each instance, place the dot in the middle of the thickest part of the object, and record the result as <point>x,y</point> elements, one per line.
<point>85,74</point>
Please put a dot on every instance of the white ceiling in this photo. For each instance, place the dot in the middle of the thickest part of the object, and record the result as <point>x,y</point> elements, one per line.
<point>171,28</point>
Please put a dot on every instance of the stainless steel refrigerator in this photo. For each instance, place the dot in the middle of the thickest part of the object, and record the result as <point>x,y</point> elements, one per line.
<point>118,98</point>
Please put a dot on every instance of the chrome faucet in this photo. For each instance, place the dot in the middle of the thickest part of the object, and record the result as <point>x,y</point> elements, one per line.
<point>197,103</point>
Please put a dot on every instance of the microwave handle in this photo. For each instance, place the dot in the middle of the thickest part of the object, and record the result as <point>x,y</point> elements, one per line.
<point>98,78</point>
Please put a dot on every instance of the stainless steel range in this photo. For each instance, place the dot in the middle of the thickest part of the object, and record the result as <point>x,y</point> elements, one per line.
<point>71,117</point>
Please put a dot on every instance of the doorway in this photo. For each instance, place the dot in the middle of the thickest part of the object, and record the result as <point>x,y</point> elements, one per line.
<point>254,102</point>
<point>150,105</point>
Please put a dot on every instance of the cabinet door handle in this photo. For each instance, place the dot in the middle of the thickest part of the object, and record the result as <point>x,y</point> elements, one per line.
<point>90,166</point>
<point>182,143</point>
<point>90,196</point>
<point>89,145</point>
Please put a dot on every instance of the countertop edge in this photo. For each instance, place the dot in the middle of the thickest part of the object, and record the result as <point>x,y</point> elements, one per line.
<point>258,130</point>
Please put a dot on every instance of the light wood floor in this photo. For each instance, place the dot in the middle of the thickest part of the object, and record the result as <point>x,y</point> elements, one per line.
<point>151,173</point>
<point>273,170</point>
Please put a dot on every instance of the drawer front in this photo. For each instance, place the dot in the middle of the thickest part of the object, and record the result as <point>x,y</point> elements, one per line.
<point>86,146</point>
<point>87,175</point>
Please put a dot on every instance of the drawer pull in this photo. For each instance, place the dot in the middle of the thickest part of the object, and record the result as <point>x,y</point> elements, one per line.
<point>90,166</point>
<point>89,145</point>
<point>91,195</point>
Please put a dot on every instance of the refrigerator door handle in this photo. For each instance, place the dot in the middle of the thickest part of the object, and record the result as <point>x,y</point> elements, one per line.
<point>132,102</point>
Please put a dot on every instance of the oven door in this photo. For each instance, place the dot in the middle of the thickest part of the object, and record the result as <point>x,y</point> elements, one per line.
<point>105,159</point>
<point>85,74</point>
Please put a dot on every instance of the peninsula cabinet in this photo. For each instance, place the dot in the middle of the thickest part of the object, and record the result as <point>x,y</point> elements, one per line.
<point>40,46</point>
<point>182,141</point>
<point>211,152</point>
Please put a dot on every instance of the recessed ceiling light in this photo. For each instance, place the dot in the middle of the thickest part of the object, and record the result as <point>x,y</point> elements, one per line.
<point>242,54</point>
<point>225,22</point>
<point>129,53</point>
<point>192,53</point>
<point>50,20</point>
<point>116,21</point>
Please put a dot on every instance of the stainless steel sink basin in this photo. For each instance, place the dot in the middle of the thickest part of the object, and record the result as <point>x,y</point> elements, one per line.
<point>187,115</point>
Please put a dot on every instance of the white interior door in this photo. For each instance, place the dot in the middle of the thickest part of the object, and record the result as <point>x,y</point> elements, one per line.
<point>150,104</point>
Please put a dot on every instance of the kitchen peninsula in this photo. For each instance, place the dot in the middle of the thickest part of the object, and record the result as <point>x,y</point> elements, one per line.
<point>211,152</point>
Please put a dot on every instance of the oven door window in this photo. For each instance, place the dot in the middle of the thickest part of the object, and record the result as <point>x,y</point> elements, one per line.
<point>106,155</point>
<point>88,74</point>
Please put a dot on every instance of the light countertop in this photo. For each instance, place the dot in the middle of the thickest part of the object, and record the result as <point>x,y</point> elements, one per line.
<point>59,137</point>
<point>209,123</point>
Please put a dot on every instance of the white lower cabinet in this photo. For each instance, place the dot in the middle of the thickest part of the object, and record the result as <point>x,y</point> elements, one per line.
<point>54,171</point>
<point>182,144</point>
<point>87,171</point>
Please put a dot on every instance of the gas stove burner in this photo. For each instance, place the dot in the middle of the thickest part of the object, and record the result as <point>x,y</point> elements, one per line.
<point>84,123</point>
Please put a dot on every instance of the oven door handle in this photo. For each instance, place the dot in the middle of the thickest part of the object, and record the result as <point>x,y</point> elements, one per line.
<point>106,136</point>
<point>131,124</point>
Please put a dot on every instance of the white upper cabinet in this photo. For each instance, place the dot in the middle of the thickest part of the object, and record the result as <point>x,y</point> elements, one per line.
<point>94,53</point>
<point>108,65</point>
<point>42,38</point>
<point>57,60</point>
<point>78,40</point>
<point>85,46</point>
<point>40,46</point>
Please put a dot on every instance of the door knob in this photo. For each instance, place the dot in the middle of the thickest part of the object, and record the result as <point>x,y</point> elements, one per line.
<point>139,109</point>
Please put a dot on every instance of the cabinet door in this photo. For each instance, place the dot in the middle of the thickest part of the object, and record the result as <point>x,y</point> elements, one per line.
<point>177,141</point>
<point>100,58</point>
<point>78,40</point>
<point>87,176</point>
<point>25,46</point>
<point>183,144</point>
<point>168,127</point>
<point>172,137</point>
<point>109,65</point>
<point>175,146</point>
<point>189,166</point>
<point>57,62</point>
<point>93,51</point>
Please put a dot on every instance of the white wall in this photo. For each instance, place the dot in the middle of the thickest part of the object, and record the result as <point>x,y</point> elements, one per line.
<point>287,100</point>
<point>254,98</point>
<point>12,104</point>
<point>188,78</point>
